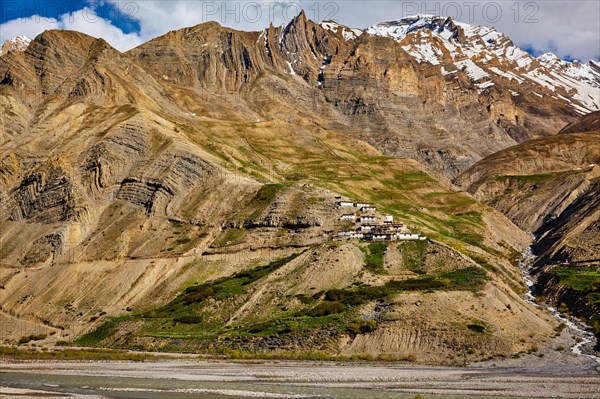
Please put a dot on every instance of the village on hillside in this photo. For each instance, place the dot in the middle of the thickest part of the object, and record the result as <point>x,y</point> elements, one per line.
<point>361,221</point>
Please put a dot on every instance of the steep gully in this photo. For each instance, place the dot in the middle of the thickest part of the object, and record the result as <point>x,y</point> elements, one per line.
<point>585,341</point>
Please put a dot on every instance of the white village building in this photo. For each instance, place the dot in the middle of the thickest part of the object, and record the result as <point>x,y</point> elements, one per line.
<point>410,237</point>
<point>366,219</point>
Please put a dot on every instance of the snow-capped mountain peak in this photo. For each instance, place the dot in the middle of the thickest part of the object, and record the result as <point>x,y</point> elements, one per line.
<point>548,59</point>
<point>460,39</point>
<point>399,29</point>
<point>17,43</point>
<point>348,33</point>
<point>487,56</point>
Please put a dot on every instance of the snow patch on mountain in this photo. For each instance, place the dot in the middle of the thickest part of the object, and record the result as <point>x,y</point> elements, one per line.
<point>17,43</point>
<point>471,68</point>
<point>347,33</point>
<point>506,74</point>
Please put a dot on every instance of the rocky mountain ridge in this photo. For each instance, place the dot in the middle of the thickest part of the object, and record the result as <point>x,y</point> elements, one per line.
<point>329,58</point>
<point>489,56</point>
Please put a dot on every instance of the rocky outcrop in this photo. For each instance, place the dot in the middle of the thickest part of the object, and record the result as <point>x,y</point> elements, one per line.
<point>43,250</point>
<point>366,86</point>
<point>573,235</point>
<point>45,197</point>
<point>588,123</point>
<point>550,288</point>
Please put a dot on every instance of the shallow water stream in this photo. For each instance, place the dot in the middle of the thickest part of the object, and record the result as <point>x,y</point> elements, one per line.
<point>586,339</point>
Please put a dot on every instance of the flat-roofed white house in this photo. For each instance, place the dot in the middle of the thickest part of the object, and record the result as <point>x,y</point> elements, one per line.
<point>361,205</point>
<point>381,237</point>
<point>345,233</point>
<point>368,209</point>
<point>347,217</point>
<point>357,235</point>
<point>388,220</point>
<point>367,219</point>
<point>345,204</point>
<point>411,237</point>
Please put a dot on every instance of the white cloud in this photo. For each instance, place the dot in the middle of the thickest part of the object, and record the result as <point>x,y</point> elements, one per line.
<point>84,20</point>
<point>30,27</point>
<point>569,29</point>
<point>157,17</point>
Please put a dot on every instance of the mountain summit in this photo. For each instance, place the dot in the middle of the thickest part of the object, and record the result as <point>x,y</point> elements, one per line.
<point>489,57</point>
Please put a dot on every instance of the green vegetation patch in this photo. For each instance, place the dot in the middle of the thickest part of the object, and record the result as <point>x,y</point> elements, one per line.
<point>197,316</point>
<point>413,255</point>
<point>362,327</point>
<point>229,286</point>
<point>189,314</point>
<point>98,335</point>
<point>532,179</point>
<point>32,337</point>
<point>188,319</point>
<point>578,278</point>
<point>329,316</point>
<point>594,298</point>
<point>594,322</point>
<point>476,327</point>
<point>470,279</point>
<point>582,279</point>
<point>326,309</point>
<point>263,198</point>
<point>230,237</point>
<point>374,254</point>
<point>305,299</point>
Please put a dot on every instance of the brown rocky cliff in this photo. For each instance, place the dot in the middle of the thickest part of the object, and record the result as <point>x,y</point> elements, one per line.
<point>587,123</point>
<point>369,87</point>
<point>63,68</point>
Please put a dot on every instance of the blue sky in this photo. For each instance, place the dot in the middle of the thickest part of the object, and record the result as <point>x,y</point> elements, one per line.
<point>570,29</point>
